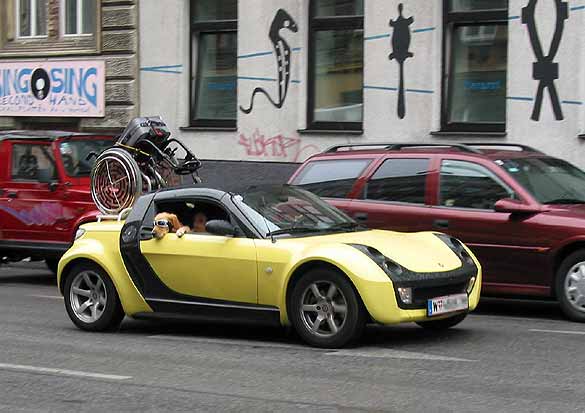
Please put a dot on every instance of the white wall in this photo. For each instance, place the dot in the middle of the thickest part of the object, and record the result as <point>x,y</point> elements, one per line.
<point>271,134</point>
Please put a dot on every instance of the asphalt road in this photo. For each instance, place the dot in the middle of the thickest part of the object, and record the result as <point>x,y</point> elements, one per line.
<point>508,356</point>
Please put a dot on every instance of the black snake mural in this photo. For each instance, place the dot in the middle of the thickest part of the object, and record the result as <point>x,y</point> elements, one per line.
<point>400,52</point>
<point>545,70</point>
<point>282,20</point>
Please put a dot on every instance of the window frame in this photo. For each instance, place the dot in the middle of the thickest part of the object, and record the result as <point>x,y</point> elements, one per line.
<point>452,20</point>
<point>34,6</point>
<point>491,174</point>
<point>329,23</point>
<point>196,29</point>
<point>79,22</point>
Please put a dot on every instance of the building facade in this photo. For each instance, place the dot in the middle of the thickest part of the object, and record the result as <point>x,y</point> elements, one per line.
<point>68,64</point>
<point>277,80</point>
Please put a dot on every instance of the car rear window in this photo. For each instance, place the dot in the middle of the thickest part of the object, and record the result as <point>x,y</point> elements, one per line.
<point>331,178</point>
<point>399,180</point>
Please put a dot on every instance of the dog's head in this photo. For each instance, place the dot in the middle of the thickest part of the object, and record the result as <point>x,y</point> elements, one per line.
<point>163,223</point>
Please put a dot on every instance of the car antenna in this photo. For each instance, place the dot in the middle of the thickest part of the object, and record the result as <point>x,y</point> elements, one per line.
<point>266,223</point>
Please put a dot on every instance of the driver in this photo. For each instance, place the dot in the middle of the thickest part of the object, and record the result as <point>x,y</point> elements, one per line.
<point>199,221</point>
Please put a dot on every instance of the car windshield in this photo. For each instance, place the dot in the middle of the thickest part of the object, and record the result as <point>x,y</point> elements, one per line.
<point>74,154</point>
<point>549,180</point>
<point>283,209</point>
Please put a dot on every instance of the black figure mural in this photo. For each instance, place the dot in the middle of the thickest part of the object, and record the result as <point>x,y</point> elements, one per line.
<point>544,69</point>
<point>282,20</point>
<point>400,46</point>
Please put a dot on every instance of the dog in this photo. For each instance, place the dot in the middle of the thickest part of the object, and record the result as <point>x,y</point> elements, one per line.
<point>165,222</point>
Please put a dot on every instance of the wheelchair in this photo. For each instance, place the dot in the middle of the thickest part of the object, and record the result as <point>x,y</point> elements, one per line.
<point>144,158</point>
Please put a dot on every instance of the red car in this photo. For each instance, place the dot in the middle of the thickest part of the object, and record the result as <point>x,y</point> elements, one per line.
<point>44,191</point>
<point>522,212</point>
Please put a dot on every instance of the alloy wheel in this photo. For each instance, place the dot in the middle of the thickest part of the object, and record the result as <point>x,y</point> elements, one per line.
<point>88,296</point>
<point>575,286</point>
<point>323,309</point>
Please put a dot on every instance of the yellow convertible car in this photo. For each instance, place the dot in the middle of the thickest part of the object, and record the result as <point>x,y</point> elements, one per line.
<point>274,254</point>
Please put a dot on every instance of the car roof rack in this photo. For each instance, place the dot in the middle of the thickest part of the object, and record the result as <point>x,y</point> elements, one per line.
<point>399,146</point>
<point>523,148</point>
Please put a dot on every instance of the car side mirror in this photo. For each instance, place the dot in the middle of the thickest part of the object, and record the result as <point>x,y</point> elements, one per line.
<point>220,227</point>
<point>513,206</point>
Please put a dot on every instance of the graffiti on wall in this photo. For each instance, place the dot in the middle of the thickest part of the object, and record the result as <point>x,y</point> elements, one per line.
<point>545,70</point>
<point>282,20</point>
<point>400,52</point>
<point>277,146</point>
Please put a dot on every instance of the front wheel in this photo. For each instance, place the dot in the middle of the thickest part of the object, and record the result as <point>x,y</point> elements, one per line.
<point>444,323</point>
<point>570,286</point>
<point>325,310</point>
<point>91,299</point>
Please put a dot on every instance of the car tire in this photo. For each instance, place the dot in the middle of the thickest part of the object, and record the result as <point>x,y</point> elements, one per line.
<point>328,298</point>
<point>570,284</point>
<point>91,300</point>
<point>52,264</point>
<point>442,324</point>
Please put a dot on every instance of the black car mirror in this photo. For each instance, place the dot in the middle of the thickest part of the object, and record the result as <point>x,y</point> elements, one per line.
<point>220,227</point>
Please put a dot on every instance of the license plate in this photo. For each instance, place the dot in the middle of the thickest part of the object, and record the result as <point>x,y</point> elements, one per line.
<point>447,304</point>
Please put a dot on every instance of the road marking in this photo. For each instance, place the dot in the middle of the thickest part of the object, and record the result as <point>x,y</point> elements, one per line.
<point>52,297</point>
<point>372,352</point>
<point>61,372</point>
<point>536,330</point>
<point>229,342</point>
<point>394,354</point>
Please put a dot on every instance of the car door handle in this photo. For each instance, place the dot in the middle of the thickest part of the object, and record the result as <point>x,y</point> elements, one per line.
<point>361,216</point>
<point>441,223</point>
<point>12,194</point>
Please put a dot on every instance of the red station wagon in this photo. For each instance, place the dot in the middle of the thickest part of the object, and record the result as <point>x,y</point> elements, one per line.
<point>44,191</point>
<point>522,212</point>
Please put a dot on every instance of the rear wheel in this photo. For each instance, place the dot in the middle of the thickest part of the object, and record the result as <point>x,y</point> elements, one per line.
<point>444,323</point>
<point>325,310</point>
<point>570,286</point>
<point>91,300</point>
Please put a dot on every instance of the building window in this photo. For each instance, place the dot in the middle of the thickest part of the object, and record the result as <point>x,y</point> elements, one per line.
<point>79,17</point>
<point>476,55</point>
<point>336,65</point>
<point>214,46</point>
<point>31,18</point>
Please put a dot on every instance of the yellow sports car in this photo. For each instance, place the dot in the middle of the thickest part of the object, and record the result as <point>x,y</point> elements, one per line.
<point>274,254</point>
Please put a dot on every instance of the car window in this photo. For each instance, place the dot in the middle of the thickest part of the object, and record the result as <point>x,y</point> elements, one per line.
<point>193,213</point>
<point>33,162</point>
<point>399,180</point>
<point>331,178</point>
<point>74,154</point>
<point>469,185</point>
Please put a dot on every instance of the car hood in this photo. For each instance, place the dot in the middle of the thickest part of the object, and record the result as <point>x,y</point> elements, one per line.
<point>569,211</point>
<point>418,252</point>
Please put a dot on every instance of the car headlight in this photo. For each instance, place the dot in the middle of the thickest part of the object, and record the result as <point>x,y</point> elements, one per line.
<point>79,233</point>
<point>457,247</point>
<point>386,264</point>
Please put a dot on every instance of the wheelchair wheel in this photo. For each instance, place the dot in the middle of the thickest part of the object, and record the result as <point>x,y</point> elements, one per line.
<point>116,181</point>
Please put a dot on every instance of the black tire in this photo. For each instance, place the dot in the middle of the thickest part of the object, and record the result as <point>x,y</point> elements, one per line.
<point>571,310</point>
<point>111,312</point>
<point>52,264</point>
<point>354,319</point>
<point>442,324</point>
